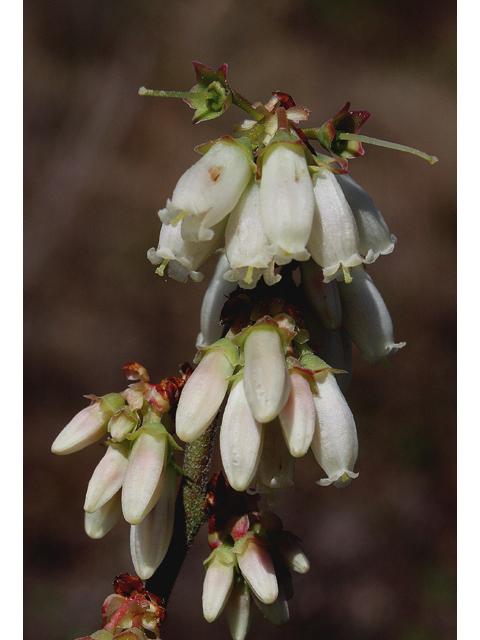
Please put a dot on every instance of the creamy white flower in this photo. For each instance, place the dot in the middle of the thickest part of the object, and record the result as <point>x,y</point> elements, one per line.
<point>210,189</point>
<point>366,317</point>
<point>323,296</point>
<point>218,584</point>
<point>215,297</point>
<point>374,237</point>
<point>246,243</point>
<point>203,394</point>
<point>334,444</point>
<point>276,469</point>
<point>277,613</point>
<point>99,523</point>
<point>297,417</point>
<point>149,540</point>
<point>266,378</point>
<point>145,474</point>
<point>286,201</point>
<point>241,440</point>
<point>184,257</point>
<point>88,425</point>
<point>237,611</point>
<point>334,240</point>
<point>108,476</point>
<point>256,565</point>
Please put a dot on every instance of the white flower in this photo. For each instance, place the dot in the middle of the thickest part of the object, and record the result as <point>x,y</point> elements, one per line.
<point>88,426</point>
<point>277,613</point>
<point>99,523</point>
<point>145,472</point>
<point>209,190</point>
<point>286,200</point>
<point>297,417</point>
<point>334,240</point>
<point>366,317</point>
<point>276,469</point>
<point>266,378</point>
<point>323,296</point>
<point>204,391</point>
<point>256,565</point>
<point>108,476</point>
<point>237,611</point>
<point>334,444</point>
<point>218,583</point>
<point>215,297</point>
<point>246,243</point>
<point>374,237</point>
<point>184,257</point>
<point>149,540</point>
<point>241,440</point>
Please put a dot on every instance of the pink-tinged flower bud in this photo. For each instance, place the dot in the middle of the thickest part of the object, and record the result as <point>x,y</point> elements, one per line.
<point>211,188</point>
<point>99,523</point>
<point>366,317</point>
<point>276,469</point>
<point>108,476</point>
<point>323,296</point>
<point>374,237</point>
<point>266,377</point>
<point>88,426</point>
<point>218,583</point>
<point>204,391</point>
<point>145,473</point>
<point>334,239</point>
<point>334,444</point>
<point>277,612</point>
<point>149,540</point>
<point>237,611</point>
<point>292,553</point>
<point>257,568</point>
<point>246,243</point>
<point>286,200</point>
<point>241,440</point>
<point>184,257</point>
<point>215,297</point>
<point>297,417</point>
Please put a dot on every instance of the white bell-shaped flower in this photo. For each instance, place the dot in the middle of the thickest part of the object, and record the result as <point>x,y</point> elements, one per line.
<point>297,417</point>
<point>366,317</point>
<point>256,565</point>
<point>277,613</point>
<point>145,473</point>
<point>108,476</point>
<point>266,377</point>
<point>246,243</point>
<point>276,469</point>
<point>149,540</point>
<point>334,443</point>
<point>184,257</point>
<point>241,440</point>
<point>374,237</point>
<point>204,391</point>
<point>210,189</point>
<point>99,523</point>
<point>215,297</point>
<point>286,200</point>
<point>237,611</point>
<point>334,240</point>
<point>218,583</point>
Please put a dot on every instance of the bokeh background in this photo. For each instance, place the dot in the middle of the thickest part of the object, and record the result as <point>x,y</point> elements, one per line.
<point>100,161</point>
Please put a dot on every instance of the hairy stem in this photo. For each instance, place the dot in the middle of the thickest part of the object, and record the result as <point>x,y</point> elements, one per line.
<point>189,511</point>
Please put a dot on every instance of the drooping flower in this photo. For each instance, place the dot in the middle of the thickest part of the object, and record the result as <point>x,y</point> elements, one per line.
<point>209,190</point>
<point>108,476</point>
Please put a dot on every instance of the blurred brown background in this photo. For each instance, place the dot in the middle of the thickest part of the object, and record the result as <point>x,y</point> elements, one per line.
<point>100,161</point>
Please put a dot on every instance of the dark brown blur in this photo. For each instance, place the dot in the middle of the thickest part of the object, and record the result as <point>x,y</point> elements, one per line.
<point>100,161</point>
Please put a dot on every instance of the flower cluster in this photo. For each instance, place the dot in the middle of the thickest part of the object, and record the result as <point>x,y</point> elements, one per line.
<point>282,399</point>
<point>137,474</point>
<point>270,201</point>
<point>251,559</point>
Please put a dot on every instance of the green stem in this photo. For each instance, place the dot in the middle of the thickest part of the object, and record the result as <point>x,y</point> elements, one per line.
<point>189,511</point>
<point>244,104</point>
<point>388,145</point>
<point>164,94</point>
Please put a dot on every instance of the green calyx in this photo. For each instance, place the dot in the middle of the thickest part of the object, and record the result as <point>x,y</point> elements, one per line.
<point>225,346</point>
<point>112,402</point>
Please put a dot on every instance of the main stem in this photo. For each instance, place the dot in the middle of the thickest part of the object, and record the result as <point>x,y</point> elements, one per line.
<point>189,511</point>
